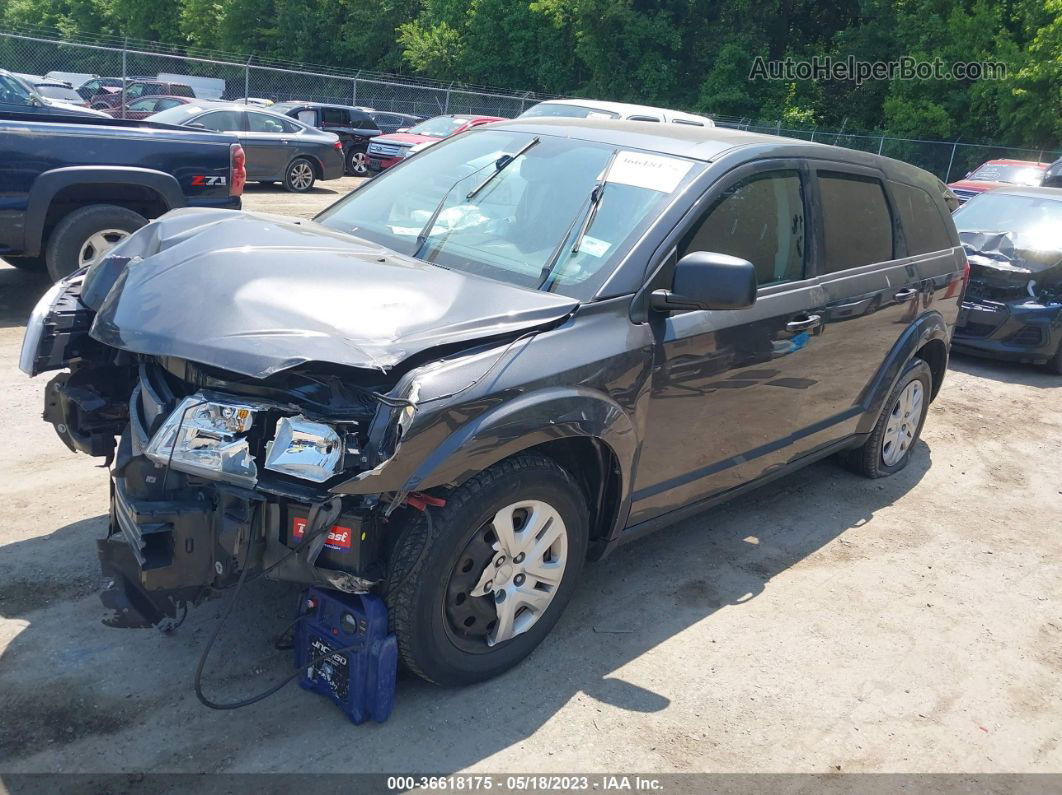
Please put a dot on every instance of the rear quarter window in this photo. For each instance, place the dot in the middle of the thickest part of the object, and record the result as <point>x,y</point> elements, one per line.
<point>924,227</point>
<point>179,90</point>
<point>857,225</point>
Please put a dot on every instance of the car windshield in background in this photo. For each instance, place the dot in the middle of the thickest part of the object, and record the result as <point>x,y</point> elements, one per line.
<point>440,126</point>
<point>518,224</point>
<point>1015,175</point>
<point>1035,222</point>
<point>568,111</point>
<point>61,93</point>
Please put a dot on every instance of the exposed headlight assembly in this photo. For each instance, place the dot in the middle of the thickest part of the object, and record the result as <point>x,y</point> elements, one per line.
<point>207,437</point>
<point>305,449</point>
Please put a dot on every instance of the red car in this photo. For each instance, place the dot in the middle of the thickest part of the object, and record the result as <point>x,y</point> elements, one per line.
<point>386,150</point>
<point>147,106</point>
<point>111,101</point>
<point>994,173</point>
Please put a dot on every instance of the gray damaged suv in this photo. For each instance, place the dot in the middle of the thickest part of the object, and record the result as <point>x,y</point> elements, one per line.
<point>525,346</point>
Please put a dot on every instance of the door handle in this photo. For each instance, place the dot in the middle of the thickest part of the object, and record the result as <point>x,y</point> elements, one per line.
<point>804,324</point>
<point>906,294</point>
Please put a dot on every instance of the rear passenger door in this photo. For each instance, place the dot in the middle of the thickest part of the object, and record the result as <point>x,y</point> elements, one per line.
<point>729,388</point>
<point>871,293</point>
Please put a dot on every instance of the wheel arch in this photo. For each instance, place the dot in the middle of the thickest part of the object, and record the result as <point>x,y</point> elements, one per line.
<point>56,193</point>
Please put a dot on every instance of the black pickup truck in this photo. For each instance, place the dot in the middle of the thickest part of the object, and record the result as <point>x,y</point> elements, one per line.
<point>72,188</point>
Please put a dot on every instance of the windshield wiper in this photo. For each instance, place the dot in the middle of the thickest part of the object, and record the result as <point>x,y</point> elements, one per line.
<point>425,231</point>
<point>597,193</point>
<point>499,165</point>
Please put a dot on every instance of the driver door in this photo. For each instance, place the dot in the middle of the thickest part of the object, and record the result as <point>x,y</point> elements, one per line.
<point>728,386</point>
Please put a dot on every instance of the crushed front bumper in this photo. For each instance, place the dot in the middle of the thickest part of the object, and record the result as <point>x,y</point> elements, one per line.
<point>1020,331</point>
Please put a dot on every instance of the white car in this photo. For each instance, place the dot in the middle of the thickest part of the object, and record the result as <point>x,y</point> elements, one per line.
<point>599,109</point>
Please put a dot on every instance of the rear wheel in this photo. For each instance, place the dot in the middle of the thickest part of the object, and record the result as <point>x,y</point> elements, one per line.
<point>888,448</point>
<point>474,591</point>
<point>300,175</point>
<point>357,162</point>
<point>85,236</point>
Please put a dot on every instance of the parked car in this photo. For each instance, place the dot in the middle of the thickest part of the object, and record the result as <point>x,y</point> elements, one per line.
<point>529,344</point>
<point>389,122</point>
<point>1053,175</point>
<point>61,92</point>
<point>75,186</point>
<point>388,150</point>
<point>353,126</point>
<point>203,87</point>
<point>18,96</point>
<point>279,148</point>
<point>994,173</point>
<point>75,79</point>
<point>112,98</point>
<point>1013,305</point>
<point>149,106</point>
<point>261,102</point>
<point>598,109</point>
<point>97,85</point>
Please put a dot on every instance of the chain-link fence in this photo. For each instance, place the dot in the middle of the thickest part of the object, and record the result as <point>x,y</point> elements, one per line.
<point>949,160</point>
<point>39,53</point>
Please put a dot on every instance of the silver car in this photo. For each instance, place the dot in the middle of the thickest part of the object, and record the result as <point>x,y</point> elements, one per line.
<point>278,148</point>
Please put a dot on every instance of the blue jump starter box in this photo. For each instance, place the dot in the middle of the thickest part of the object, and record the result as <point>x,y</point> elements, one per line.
<point>345,652</point>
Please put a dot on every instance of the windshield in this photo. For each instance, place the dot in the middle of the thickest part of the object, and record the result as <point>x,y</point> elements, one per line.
<point>520,226</point>
<point>14,92</point>
<point>567,111</point>
<point>1015,175</point>
<point>61,93</point>
<point>440,126</point>
<point>1035,223</point>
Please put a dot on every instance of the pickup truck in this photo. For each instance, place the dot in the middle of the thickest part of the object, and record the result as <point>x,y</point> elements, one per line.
<point>72,188</point>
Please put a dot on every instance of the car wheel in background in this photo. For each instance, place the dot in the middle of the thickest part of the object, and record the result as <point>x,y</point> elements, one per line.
<point>888,448</point>
<point>475,589</point>
<point>357,162</point>
<point>300,175</point>
<point>84,236</point>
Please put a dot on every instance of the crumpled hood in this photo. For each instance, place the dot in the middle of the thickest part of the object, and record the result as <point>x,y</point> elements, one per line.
<point>998,261</point>
<point>256,294</point>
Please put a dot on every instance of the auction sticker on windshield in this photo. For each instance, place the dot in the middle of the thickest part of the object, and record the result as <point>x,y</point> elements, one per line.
<point>653,172</point>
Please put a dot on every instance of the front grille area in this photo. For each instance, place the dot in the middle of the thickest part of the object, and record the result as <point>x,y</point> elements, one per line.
<point>975,330</point>
<point>979,291</point>
<point>386,150</point>
<point>1030,335</point>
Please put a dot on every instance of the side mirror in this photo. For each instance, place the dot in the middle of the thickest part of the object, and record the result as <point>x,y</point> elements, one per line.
<point>706,280</point>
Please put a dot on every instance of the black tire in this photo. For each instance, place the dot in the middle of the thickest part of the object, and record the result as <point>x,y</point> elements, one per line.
<point>1054,364</point>
<point>267,182</point>
<point>28,264</point>
<point>300,175</point>
<point>63,252</point>
<point>357,162</point>
<point>868,459</point>
<point>424,566</point>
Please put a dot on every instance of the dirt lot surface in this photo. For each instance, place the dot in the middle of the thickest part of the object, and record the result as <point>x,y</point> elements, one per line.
<point>823,623</point>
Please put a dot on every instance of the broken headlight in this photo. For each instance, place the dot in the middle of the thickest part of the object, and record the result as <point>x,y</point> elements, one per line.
<point>207,438</point>
<point>305,449</point>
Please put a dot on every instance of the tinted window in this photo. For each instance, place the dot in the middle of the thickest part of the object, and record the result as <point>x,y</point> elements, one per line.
<point>361,121</point>
<point>857,226</point>
<point>135,91</point>
<point>760,219</point>
<point>144,105</point>
<point>923,225</point>
<point>334,116</point>
<point>166,104</point>
<point>221,121</point>
<point>261,122</point>
<point>177,90</point>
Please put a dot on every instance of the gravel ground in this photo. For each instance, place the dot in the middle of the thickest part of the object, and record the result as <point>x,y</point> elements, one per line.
<point>824,623</point>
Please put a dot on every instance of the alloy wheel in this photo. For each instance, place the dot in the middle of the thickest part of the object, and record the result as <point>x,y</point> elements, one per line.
<point>902,424</point>
<point>301,176</point>
<point>358,164</point>
<point>98,244</point>
<point>508,574</point>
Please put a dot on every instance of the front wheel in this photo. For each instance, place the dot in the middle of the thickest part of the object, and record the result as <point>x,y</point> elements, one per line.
<point>300,175</point>
<point>888,448</point>
<point>475,587</point>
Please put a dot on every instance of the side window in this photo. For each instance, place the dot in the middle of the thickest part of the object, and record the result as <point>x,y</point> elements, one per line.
<point>12,92</point>
<point>221,121</point>
<point>144,105</point>
<point>179,90</point>
<point>308,116</point>
<point>336,116</point>
<point>760,219</point>
<point>166,104</point>
<point>134,91</point>
<point>690,122</point>
<point>923,225</point>
<point>857,225</point>
<point>643,118</point>
<point>151,89</point>
<point>260,122</point>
